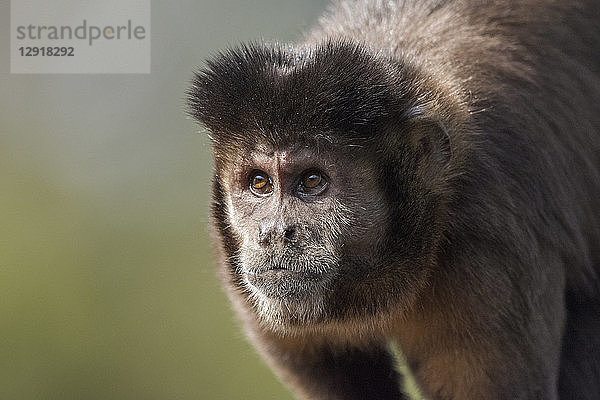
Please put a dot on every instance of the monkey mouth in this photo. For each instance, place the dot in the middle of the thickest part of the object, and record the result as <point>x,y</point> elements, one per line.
<point>285,273</point>
<point>285,270</point>
<point>286,283</point>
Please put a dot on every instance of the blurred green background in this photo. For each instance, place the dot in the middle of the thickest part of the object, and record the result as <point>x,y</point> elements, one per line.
<point>107,280</point>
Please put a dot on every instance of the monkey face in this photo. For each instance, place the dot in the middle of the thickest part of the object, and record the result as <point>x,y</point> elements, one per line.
<point>302,219</point>
<point>317,221</point>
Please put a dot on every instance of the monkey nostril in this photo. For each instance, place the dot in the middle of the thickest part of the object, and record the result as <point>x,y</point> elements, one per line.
<point>263,236</point>
<point>290,233</point>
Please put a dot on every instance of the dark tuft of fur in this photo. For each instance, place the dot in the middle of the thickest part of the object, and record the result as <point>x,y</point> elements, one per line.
<point>270,89</point>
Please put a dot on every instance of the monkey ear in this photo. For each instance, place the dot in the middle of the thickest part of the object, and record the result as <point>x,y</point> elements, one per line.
<point>429,140</point>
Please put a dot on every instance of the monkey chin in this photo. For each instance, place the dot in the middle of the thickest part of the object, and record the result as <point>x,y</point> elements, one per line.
<point>286,300</point>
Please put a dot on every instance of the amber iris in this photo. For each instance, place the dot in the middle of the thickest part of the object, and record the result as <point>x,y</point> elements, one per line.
<point>260,183</point>
<point>313,182</point>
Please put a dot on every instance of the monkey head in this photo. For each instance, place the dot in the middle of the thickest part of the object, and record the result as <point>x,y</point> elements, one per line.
<point>319,222</point>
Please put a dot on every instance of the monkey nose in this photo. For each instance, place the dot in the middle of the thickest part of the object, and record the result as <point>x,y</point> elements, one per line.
<point>279,233</point>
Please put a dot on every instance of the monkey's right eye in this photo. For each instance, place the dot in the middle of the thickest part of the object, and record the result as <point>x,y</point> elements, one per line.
<point>260,183</point>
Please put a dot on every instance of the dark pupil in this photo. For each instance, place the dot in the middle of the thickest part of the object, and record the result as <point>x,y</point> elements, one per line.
<point>312,180</point>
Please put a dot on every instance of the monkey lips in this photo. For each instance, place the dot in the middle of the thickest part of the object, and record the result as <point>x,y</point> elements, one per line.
<point>281,281</point>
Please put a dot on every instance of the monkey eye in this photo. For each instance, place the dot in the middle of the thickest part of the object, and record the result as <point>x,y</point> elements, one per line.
<point>260,183</point>
<point>312,183</point>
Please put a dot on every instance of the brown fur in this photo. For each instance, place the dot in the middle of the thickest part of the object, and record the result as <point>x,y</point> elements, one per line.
<point>462,141</point>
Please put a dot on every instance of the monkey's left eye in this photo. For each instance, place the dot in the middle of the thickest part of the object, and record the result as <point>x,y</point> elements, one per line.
<point>260,183</point>
<point>312,183</point>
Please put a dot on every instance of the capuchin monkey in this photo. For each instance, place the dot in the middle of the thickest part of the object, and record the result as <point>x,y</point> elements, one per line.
<point>424,174</point>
